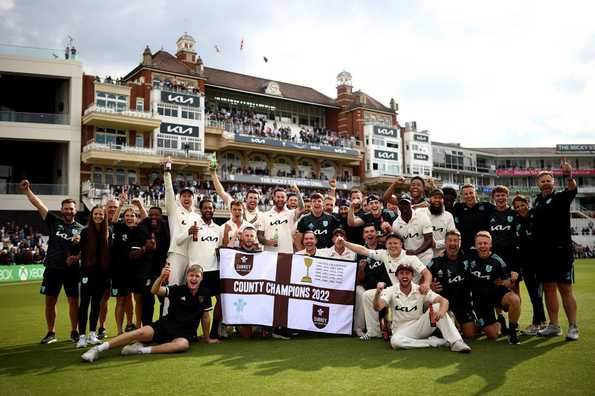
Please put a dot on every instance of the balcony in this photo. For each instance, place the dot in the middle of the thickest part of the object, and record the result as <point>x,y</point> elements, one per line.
<point>39,189</point>
<point>117,154</point>
<point>128,119</point>
<point>284,181</point>
<point>39,118</point>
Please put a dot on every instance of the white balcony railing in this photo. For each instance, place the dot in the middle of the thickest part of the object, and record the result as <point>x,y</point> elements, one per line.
<point>149,151</point>
<point>126,113</point>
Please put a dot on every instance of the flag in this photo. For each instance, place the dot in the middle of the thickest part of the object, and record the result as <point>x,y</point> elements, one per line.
<point>266,60</point>
<point>218,49</point>
<point>242,44</point>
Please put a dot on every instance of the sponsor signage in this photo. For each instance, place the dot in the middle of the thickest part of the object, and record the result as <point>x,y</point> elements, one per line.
<point>180,98</point>
<point>292,291</point>
<point>21,273</point>
<point>534,172</point>
<point>420,138</point>
<point>293,145</point>
<point>179,130</point>
<point>285,181</point>
<point>421,157</point>
<point>386,132</point>
<point>575,147</point>
<point>386,155</point>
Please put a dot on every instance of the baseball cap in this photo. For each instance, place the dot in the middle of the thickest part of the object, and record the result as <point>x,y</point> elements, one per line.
<point>405,266</point>
<point>436,191</point>
<point>343,202</point>
<point>373,197</point>
<point>405,197</point>
<point>339,231</point>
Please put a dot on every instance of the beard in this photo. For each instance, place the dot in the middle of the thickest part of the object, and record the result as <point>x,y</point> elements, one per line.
<point>436,210</point>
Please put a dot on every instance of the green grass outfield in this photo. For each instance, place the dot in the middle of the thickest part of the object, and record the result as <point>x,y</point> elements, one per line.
<point>306,365</point>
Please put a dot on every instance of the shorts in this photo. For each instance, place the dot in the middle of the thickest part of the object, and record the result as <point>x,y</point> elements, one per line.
<point>140,284</point>
<point>211,281</point>
<point>121,285</point>
<point>463,312</point>
<point>556,265</point>
<point>164,333</point>
<point>54,279</point>
<point>484,305</point>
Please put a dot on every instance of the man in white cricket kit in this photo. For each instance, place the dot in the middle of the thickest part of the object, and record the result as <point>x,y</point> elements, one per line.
<point>393,256</point>
<point>411,326</point>
<point>416,229</point>
<point>180,216</point>
<point>442,221</point>
<point>337,251</point>
<point>275,229</point>
<point>233,227</point>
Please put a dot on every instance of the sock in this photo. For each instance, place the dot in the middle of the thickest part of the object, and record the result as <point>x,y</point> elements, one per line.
<point>145,350</point>
<point>104,346</point>
<point>513,326</point>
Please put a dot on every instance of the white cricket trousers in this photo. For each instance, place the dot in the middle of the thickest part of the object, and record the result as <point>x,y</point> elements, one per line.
<point>359,321</point>
<point>414,333</point>
<point>371,315</point>
<point>177,275</point>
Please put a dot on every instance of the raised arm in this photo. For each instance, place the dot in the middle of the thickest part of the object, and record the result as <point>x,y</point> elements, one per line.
<point>25,187</point>
<point>566,169</point>
<point>123,199</point>
<point>141,208</point>
<point>379,303</point>
<point>388,194</point>
<point>332,191</point>
<point>300,209</point>
<point>219,187</point>
<point>354,247</point>
<point>158,288</point>
<point>170,196</point>
<point>352,219</point>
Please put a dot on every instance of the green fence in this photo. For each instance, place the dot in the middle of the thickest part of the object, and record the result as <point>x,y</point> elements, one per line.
<point>21,273</point>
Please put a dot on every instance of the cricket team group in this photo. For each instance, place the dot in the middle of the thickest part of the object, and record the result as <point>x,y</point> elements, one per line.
<point>434,266</point>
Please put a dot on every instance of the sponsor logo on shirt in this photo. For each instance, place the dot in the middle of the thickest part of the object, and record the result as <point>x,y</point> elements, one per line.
<point>209,239</point>
<point>320,232</point>
<point>500,227</point>
<point>279,222</point>
<point>405,309</point>
<point>478,274</point>
<point>456,279</point>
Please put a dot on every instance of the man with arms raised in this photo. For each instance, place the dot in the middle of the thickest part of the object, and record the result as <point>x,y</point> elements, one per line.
<point>411,327</point>
<point>392,256</point>
<point>380,217</point>
<point>233,226</point>
<point>451,280</point>
<point>61,268</point>
<point>416,229</point>
<point>490,288</point>
<point>552,236</point>
<point>173,332</point>
<point>337,251</point>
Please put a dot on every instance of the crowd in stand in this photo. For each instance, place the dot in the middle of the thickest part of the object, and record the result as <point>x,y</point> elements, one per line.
<point>253,124</point>
<point>21,245</point>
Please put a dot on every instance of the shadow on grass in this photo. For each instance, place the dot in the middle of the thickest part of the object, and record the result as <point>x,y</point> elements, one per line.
<point>308,353</point>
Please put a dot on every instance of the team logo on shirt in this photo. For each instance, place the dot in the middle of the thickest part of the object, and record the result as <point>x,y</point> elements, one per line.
<point>320,316</point>
<point>509,218</point>
<point>124,237</point>
<point>243,264</point>
<point>488,268</point>
<point>325,223</point>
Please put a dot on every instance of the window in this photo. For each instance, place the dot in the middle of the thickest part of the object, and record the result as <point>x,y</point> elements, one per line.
<point>111,136</point>
<point>140,104</point>
<point>110,101</point>
<point>168,142</point>
<point>167,110</point>
<point>131,177</point>
<point>190,113</point>
<point>191,144</point>
<point>140,140</point>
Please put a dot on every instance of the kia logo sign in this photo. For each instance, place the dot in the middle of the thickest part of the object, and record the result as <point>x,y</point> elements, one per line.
<point>421,157</point>
<point>387,155</point>
<point>179,130</point>
<point>383,131</point>
<point>256,140</point>
<point>179,98</point>
<point>420,138</point>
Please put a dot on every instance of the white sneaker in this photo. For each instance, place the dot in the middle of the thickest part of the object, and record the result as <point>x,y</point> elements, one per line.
<point>359,332</point>
<point>82,342</point>
<point>133,349</point>
<point>437,342</point>
<point>460,346</point>
<point>532,330</point>
<point>551,330</point>
<point>93,340</point>
<point>91,355</point>
<point>572,334</point>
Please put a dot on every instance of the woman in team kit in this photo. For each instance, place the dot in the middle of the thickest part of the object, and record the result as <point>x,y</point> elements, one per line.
<point>94,248</point>
<point>128,251</point>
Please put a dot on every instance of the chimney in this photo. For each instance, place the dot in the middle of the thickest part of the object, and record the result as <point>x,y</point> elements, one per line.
<point>147,57</point>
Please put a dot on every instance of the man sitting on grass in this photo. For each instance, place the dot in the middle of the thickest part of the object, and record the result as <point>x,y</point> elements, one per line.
<point>173,332</point>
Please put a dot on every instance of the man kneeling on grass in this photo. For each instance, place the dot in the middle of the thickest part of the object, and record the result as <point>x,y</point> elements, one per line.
<point>173,332</point>
<point>412,328</point>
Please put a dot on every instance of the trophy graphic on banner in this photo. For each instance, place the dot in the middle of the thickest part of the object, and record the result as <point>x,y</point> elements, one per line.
<point>308,263</point>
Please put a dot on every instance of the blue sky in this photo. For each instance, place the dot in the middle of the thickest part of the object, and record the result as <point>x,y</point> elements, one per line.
<point>479,73</point>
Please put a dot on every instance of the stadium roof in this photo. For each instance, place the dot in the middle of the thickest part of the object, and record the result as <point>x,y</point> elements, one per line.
<point>365,101</point>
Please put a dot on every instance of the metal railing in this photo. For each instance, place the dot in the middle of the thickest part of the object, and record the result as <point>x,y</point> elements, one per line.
<point>127,113</point>
<point>39,118</point>
<point>152,151</point>
<point>36,52</point>
<point>39,189</point>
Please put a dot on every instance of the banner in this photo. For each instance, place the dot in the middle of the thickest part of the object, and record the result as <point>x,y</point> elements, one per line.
<point>535,172</point>
<point>293,145</point>
<point>179,130</point>
<point>293,291</point>
<point>21,273</point>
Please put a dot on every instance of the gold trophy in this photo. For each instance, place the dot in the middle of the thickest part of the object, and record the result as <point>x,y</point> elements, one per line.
<point>308,263</point>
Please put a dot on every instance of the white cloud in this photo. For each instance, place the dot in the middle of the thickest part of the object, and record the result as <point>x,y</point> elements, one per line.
<point>6,5</point>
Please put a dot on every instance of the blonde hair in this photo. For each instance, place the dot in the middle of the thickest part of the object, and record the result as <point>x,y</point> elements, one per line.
<point>194,268</point>
<point>484,234</point>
